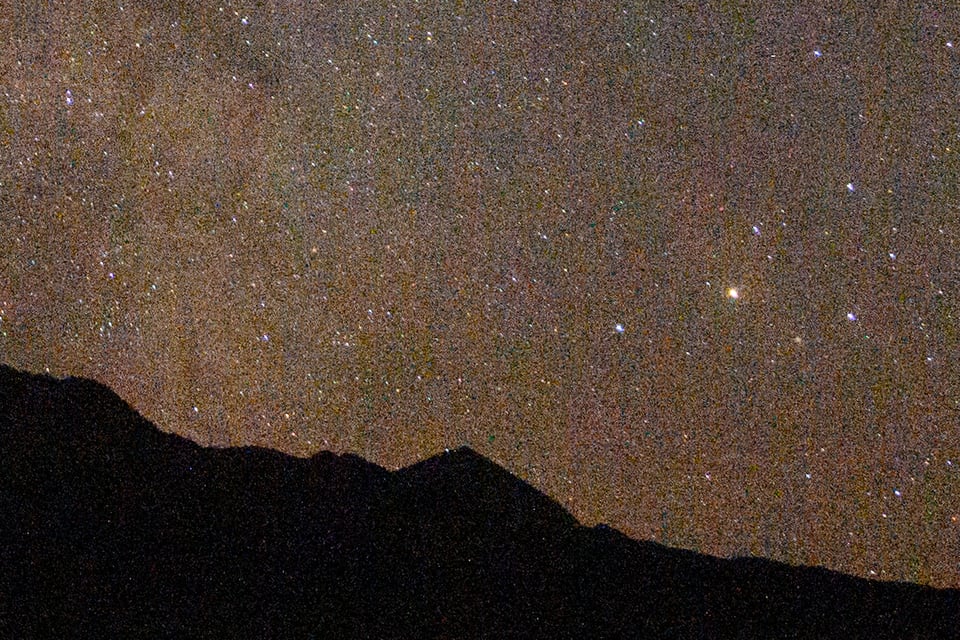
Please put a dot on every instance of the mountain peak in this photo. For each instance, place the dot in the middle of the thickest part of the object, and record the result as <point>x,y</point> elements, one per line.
<point>463,451</point>
<point>462,456</point>
<point>462,476</point>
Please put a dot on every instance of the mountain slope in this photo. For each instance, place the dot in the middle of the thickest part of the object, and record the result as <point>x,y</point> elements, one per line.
<point>113,528</point>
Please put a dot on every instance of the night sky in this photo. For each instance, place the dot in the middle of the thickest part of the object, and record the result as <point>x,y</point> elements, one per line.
<point>691,268</point>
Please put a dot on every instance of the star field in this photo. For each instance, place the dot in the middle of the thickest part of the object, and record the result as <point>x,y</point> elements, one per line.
<point>692,269</point>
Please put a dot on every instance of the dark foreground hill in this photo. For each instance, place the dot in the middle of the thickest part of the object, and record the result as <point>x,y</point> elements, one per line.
<point>111,528</point>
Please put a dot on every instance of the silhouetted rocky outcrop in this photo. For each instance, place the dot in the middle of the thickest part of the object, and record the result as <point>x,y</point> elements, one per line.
<point>112,528</point>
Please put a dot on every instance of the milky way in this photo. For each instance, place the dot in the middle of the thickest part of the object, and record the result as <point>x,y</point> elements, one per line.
<point>690,268</point>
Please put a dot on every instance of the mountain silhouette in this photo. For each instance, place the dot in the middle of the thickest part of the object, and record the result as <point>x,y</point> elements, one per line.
<point>111,528</point>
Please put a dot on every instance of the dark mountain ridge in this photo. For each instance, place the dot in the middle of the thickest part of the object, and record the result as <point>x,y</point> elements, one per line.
<point>110,527</point>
